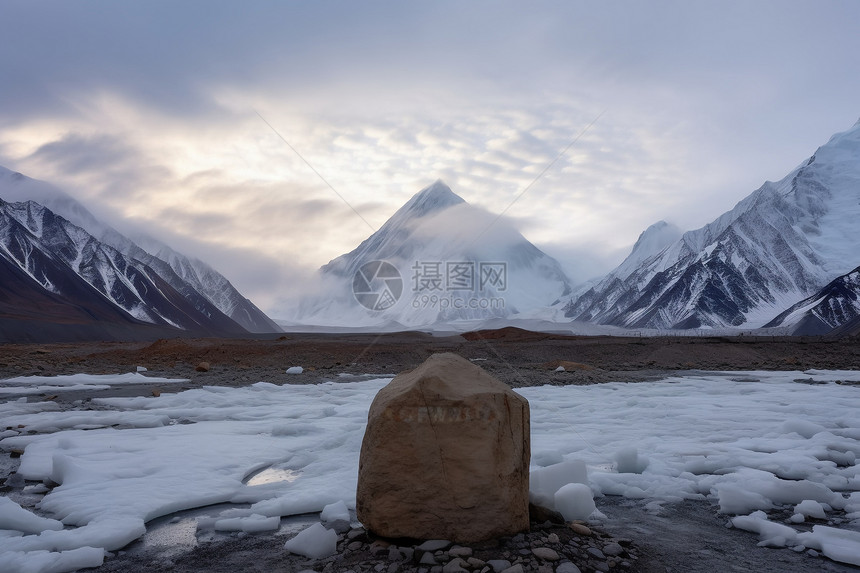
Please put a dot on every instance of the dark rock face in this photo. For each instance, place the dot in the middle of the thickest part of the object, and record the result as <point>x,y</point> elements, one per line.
<point>836,306</point>
<point>445,455</point>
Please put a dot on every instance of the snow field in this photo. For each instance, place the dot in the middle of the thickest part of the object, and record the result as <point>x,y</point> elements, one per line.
<point>28,385</point>
<point>750,441</point>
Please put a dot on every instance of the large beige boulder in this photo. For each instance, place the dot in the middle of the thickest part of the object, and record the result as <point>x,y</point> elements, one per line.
<point>445,455</point>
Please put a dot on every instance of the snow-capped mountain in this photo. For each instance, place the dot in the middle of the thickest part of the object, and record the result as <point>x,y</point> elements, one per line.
<point>445,260</point>
<point>779,245</point>
<point>64,260</point>
<point>199,283</point>
<point>835,305</point>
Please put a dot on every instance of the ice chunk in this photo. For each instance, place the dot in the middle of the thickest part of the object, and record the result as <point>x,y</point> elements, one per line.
<point>628,461</point>
<point>295,370</point>
<point>574,501</point>
<point>838,544</point>
<point>434,545</point>
<point>315,542</point>
<point>736,500</point>
<point>336,516</point>
<point>771,534</point>
<point>335,511</point>
<point>810,508</point>
<point>544,482</point>
<point>16,518</point>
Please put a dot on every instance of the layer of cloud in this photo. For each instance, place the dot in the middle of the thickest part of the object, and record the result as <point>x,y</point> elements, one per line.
<point>151,115</point>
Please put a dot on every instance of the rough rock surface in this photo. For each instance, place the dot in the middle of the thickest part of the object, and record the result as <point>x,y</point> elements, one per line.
<point>445,455</point>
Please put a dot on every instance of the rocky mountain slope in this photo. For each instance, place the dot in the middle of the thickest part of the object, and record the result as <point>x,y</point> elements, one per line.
<point>196,280</point>
<point>781,244</point>
<point>50,259</point>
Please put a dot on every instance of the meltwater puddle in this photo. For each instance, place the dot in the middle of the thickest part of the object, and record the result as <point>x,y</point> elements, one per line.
<point>271,474</point>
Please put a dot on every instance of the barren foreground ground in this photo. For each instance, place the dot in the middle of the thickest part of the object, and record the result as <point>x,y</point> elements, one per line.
<point>683,537</point>
<point>517,357</point>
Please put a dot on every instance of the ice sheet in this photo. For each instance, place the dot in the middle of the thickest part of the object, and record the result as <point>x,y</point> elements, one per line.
<point>29,385</point>
<point>746,440</point>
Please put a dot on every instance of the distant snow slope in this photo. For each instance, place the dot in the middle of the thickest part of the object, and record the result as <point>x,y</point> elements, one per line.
<point>777,246</point>
<point>454,262</point>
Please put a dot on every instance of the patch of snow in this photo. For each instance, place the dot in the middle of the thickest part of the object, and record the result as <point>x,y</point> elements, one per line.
<point>52,561</point>
<point>15,518</point>
<point>749,441</point>
<point>42,384</point>
<point>837,544</point>
<point>771,534</point>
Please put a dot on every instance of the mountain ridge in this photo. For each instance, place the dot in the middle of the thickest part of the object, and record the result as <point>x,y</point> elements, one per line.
<point>196,280</point>
<point>64,260</point>
<point>778,245</point>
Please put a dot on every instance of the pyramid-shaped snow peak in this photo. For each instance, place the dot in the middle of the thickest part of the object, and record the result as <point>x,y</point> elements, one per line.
<point>433,198</point>
<point>429,263</point>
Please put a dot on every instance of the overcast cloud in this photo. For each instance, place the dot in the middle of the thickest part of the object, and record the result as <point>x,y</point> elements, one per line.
<point>148,113</point>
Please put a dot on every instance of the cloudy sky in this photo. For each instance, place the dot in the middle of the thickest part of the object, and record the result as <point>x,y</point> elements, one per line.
<point>161,116</point>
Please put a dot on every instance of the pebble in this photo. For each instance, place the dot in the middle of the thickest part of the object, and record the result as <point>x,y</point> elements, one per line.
<point>353,533</point>
<point>550,549</point>
<point>434,545</point>
<point>456,565</point>
<point>499,565</point>
<point>460,551</point>
<point>613,549</point>
<point>394,554</point>
<point>545,553</point>
<point>595,552</point>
